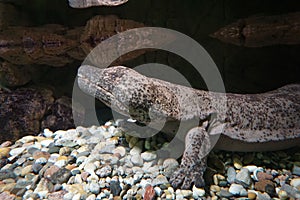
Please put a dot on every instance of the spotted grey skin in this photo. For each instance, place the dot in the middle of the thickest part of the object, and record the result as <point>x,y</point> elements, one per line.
<point>251,122</point>
<point>90,3</point>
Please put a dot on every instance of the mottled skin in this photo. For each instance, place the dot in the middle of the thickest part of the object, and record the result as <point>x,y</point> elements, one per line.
<point>251,122</point>
<point>89,3</point>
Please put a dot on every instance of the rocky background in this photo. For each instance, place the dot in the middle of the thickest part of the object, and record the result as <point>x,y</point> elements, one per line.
<point>42,44</point>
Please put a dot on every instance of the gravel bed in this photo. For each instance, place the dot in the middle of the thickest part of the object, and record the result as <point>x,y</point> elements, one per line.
<point>106,163</point>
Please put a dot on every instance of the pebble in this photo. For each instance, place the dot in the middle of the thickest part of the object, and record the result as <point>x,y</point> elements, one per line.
<point>160,180</point>
<point>148,156</point>
<point>149,193</point>
<point>243,177</point>
<point>295,182</point>
<point>296,170</point>
<point>231,175</point>
<point>4,152</point>
<point>237,163</point>
<point>235,189</point>
<point>198,192</point>
<point>251,195</point>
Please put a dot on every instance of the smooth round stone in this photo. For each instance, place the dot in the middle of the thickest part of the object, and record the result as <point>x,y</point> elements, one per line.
<point>64,151</point>
<point>41,161</point>
<point>296,170</point>
<point>115,188</point>
<point>198,192</point>
<point>224,193</point>
<point>119,150</point>
<point>91,197</point>
<point>20,161</point>
<point>243,192</point>
<point>137,160</point>
<point>90,168</point>
<point>160,180</point>
<point>60,163</point>
<point>158,191</point>
<point>215,188</point>
<point>41,154</point>
<point>27,139</point>
<point>47,133</point>
<point>61,176</point>
<point>53,149</point>
<point>169,166</point>
<point>4,152</point>
<point>94,187</point>
<point>36,167</point>
<point>237,163</point>
<point>81,159</point>
<point>251,195</point>
<point>26,170</point>
<point>148,156</point>
<point>135,150</point>
<point>53,157</point>
<point>235,189</point>
<point>283,195</point>
<point>295,182</point>
<point>46,143</point>
<point>17,151</point>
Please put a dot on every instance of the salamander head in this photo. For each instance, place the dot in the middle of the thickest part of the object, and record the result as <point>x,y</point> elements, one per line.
<point>127,92</point>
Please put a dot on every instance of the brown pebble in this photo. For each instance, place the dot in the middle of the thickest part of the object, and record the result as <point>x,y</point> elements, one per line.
<point>149,193</point>
<point>6,144</point>
<point>39,154</point>
<point>7,196</point>
<point>84,176</point>
<point>57,195</point>
<point>264,176</point>
<point>4,152</point>
<point>265,186</point>
<point>50,171</point>
<point>251,195</point>
<point>70,167</point>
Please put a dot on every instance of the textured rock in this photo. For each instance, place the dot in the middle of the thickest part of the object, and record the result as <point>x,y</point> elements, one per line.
<point>21,111</point>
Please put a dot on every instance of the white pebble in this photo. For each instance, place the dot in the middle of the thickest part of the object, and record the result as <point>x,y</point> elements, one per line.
<point>137,160</point>
<point>47,133</point>
<point>119,150</point>
<point>198,192</point>
<point>46,143</point>
<point>148,156</point>
<point>16,151</point>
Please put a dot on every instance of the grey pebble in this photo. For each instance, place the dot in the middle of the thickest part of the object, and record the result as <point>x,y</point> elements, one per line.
<point>104,171</point>
<point>6,173</point>
<point>243,177</point>
<point>115,188</point>
<point>224,193</point>
<point>137,160</point>
<point>61,176</point>
<point>36,167</point>
<point>296,170</point>
<point>231,175</point>
<point>235,189</point>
